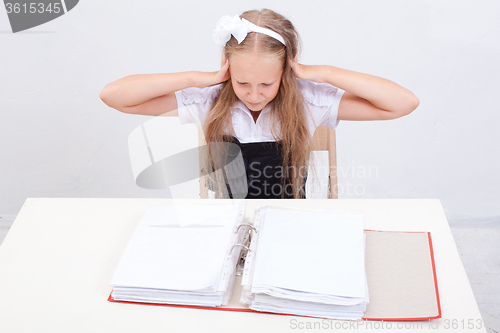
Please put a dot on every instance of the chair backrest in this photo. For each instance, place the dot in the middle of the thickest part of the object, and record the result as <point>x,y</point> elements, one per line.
<point>324,160</point>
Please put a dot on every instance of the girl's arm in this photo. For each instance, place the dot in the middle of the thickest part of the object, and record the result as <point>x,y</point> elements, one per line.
<point>366,97</point>
<point>154,94</point>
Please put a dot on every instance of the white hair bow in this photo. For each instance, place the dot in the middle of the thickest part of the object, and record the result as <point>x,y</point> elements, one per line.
<point>239,28</point>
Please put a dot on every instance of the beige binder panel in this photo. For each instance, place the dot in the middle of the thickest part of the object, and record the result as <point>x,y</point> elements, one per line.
<point>401,276</point>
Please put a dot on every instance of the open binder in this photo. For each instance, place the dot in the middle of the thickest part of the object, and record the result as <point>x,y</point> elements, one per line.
<point>398,270</point>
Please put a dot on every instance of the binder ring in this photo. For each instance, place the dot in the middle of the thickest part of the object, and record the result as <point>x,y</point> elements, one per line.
<point>244,246</point>
<point>246,224</point>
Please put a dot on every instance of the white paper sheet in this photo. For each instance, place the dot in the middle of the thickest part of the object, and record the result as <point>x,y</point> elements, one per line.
<point>313,252</point>
<point>181,248</point>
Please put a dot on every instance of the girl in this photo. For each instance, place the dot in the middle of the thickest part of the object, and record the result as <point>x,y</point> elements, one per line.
<point>263,100</point>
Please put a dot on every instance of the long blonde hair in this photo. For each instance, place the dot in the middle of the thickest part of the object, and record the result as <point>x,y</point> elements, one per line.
<point>288,110</point>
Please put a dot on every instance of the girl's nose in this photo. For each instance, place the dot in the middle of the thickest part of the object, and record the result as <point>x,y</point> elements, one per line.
<point>253,95</point>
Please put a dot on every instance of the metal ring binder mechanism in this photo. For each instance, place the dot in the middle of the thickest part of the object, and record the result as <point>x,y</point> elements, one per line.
<point>246,245</point>
<point>242,245</point>
<point>245,224</point>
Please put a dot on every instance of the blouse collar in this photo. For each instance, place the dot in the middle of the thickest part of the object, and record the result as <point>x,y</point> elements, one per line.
<point>242,106</point>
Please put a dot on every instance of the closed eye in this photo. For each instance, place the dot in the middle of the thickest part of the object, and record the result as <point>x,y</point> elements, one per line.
<point>264,84</point>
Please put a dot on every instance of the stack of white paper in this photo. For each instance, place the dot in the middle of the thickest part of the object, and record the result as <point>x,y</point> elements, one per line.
<point>181,254</point>
<point>306,263</point>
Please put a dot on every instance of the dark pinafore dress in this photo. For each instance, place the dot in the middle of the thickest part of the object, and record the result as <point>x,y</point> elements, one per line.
<point>264,170</point>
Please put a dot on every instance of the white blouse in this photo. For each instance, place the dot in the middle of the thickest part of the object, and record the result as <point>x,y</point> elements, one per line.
<point>322,101</point>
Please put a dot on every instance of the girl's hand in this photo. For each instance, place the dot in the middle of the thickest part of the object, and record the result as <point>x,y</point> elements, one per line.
<point>206,79</point>
<point>307,72</point>
<point>223,74</point>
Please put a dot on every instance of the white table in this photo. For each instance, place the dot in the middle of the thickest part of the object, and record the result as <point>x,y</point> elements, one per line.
<point>58,257</point>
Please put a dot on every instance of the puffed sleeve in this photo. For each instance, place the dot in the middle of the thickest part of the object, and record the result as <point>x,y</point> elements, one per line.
<point>194,103</point>
<point>323,101</point>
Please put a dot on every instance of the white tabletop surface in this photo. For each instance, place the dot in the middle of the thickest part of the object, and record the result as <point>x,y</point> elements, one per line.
<point>59,256</point>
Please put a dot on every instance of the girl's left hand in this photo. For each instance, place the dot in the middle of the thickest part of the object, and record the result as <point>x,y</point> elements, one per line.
<point>306,72</point>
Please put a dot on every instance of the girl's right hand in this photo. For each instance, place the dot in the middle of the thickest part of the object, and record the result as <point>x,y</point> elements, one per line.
<point>206,79</point>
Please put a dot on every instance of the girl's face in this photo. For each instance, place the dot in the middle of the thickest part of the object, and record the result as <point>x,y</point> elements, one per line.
<point>255,78</point>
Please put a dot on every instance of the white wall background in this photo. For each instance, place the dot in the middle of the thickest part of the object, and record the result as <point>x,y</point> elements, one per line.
<point>57,139</point>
